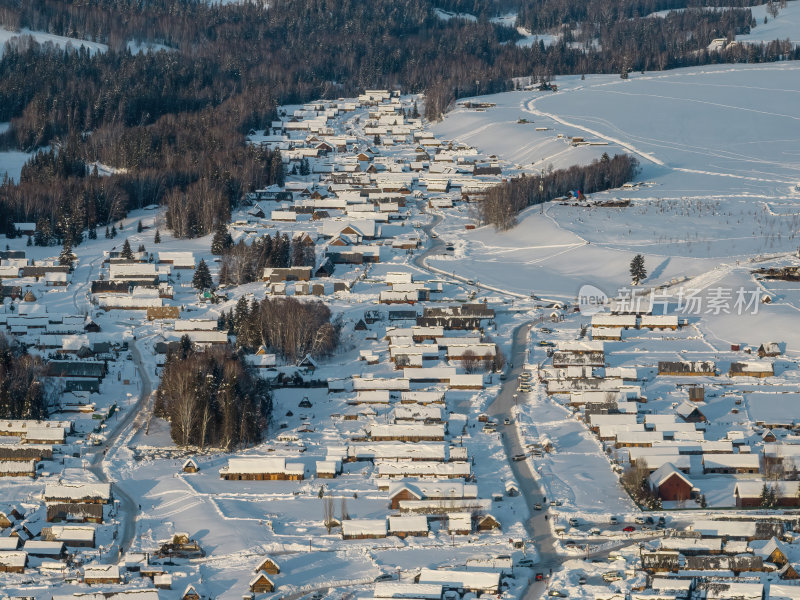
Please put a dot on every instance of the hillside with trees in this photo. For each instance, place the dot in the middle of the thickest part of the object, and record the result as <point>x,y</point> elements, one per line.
<point>181,142</point>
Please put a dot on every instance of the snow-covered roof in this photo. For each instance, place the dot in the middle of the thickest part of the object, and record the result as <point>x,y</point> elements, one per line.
<point>397,450</point>
<point>132,270</point>
<point>356,527</point>
<point>260,465</point>
<point>718,461</point>
<point>13,559</point>
<point>769,547</point>
<point>407,523</point>
<point>422,468</point>
<point>101,572</point>
<point>753,489</point>
<point>393,589</point>
<point>664,472</point>
<point>77,491</point>
<point>580,346</point>
<point>468,580</point>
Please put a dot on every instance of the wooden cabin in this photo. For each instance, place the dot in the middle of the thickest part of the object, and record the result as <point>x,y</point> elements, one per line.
<point>268,566</point>
<point>261,584</point>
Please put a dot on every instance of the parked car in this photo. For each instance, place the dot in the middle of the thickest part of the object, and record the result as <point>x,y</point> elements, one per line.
<point>613,520</point>
<point>612,576</point>
<point>639,520</point>
<point>574,522</point>
<point>507,421</point>
<point>384,577</point>
<point>582,580</point>
<point>525,562</point>
<point>629,528</point>
<point>557,594</point>
<point>519,457</point>
<point>539,576</point>
<point>537,506</point>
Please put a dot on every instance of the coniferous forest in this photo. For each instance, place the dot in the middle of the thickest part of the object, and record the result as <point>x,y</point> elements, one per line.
<point>173,123</point>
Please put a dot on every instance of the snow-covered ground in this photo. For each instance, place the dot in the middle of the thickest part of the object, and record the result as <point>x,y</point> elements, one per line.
<point>720,169</point>
<point>11,163</point>
<point>41,37</point>
<point>785,26</point>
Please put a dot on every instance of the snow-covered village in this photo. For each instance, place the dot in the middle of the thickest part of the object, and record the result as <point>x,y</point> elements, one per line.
<point>377,381</point>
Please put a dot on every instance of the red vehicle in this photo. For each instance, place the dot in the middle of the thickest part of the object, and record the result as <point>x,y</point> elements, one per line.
<point>629,528</point>
<point>539,576</point>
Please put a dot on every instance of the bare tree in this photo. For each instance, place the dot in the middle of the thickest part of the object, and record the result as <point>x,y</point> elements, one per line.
<point>470,361</point>
<point>327,512</point>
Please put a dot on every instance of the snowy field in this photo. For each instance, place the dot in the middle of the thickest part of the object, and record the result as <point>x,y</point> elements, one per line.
<point>785,26</point>
<point>11,163</point>
<point>720,175</point>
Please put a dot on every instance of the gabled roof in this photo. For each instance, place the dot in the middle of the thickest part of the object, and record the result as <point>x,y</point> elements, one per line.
<point>664,472</point>
<point>265,561</point>
<point>259,577</point>
<point>770,547</point>
<point>686,409</point>
<point>408,487</point>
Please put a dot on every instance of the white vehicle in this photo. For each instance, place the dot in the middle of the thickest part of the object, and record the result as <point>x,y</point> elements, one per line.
<point>574,522</point>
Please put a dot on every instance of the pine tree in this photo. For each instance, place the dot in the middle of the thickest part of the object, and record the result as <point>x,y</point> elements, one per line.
<point>638,272</point>
<point>30,241</point>
<point>276,171</point>
<point>92,233</point>
<point>113,231</point>
<point>65,258</point>
<point>157,237</point>
<point>202,276</point>
<point>764,496</point>
<point>108,233</point>
<point>222,240</point>
<point>142,248</point>
<point>126,252</point>
<point>240,315</point>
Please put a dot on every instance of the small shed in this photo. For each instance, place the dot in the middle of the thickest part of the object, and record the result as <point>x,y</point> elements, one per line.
<point>487,523</point>
<point>190,466</point>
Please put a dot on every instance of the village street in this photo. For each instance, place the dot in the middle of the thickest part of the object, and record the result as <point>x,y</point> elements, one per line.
<point>128,508</point>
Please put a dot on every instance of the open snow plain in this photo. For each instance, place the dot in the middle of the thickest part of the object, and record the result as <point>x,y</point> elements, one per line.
<point>719,179</point>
